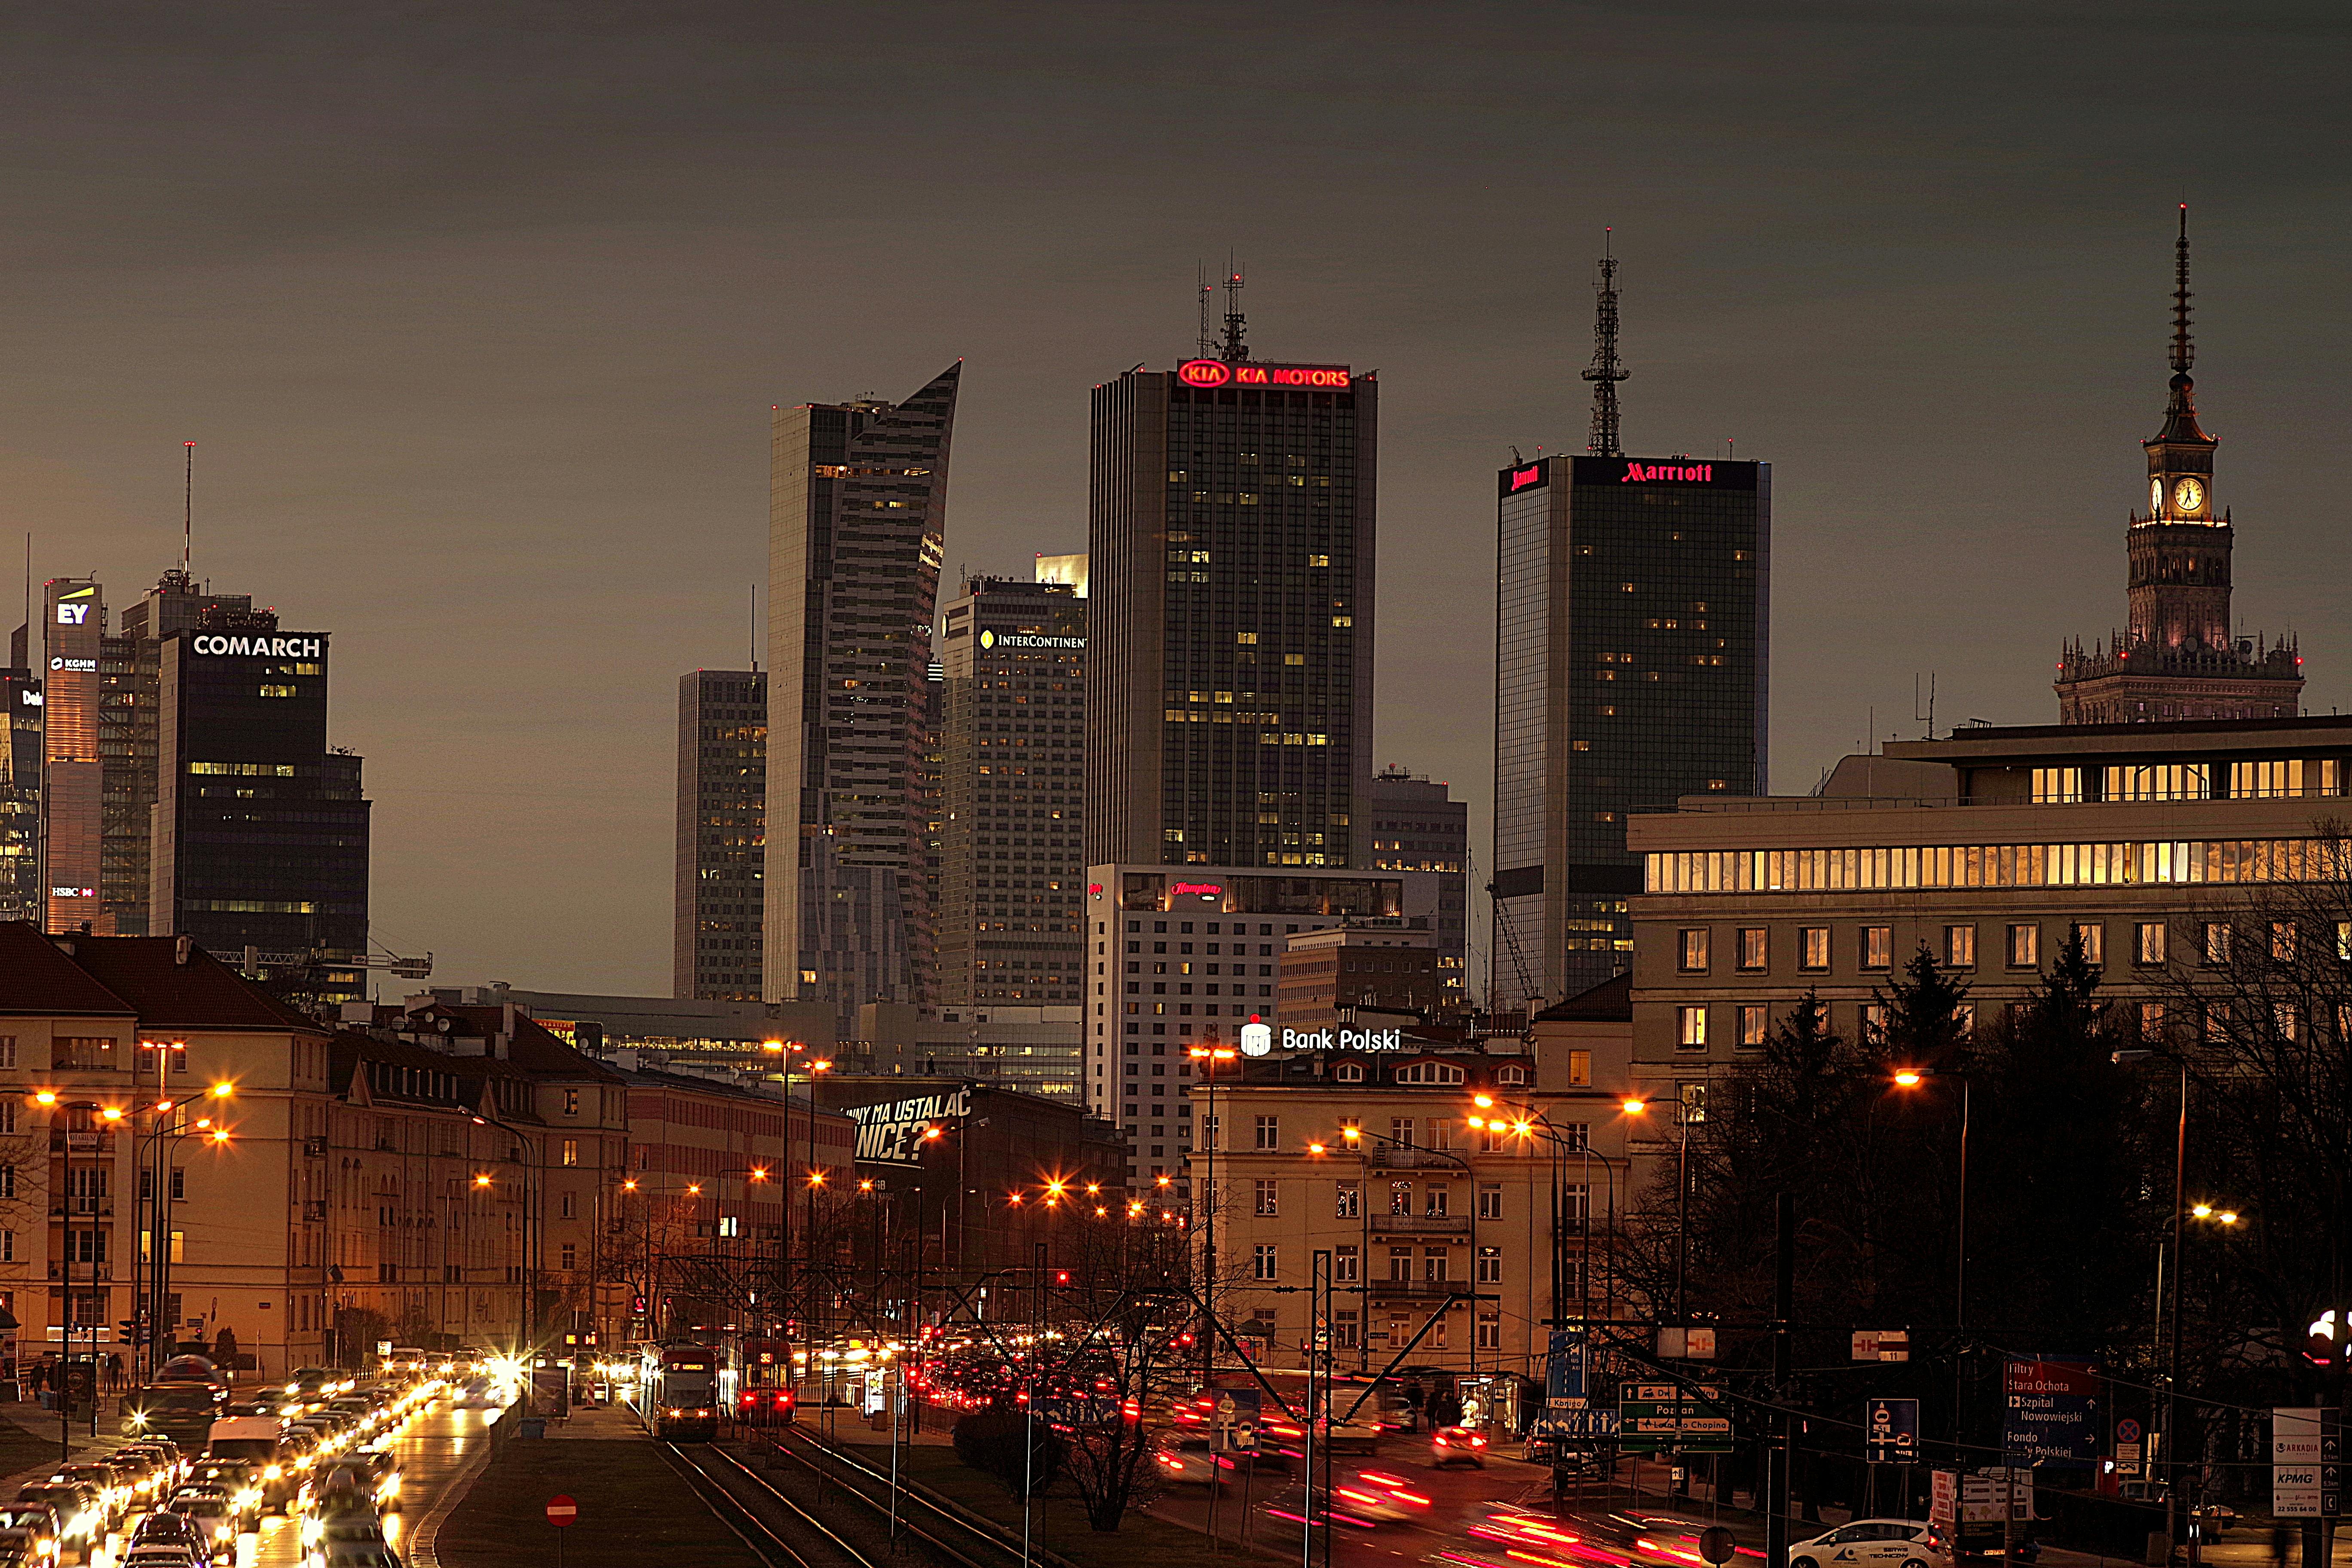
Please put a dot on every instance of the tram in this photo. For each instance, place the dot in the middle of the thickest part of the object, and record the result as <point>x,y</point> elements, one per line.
<point>683,1389</point>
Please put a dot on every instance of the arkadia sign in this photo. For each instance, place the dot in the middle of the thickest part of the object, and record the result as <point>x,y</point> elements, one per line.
<point>892,1132</point>
<point>1343,1039</point>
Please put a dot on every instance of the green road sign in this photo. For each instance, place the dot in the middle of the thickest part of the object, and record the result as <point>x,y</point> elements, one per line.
<point>1672,1418</point>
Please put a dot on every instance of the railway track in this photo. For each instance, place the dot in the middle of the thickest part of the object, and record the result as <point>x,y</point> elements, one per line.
<point>777,1531</point>
<point>950,1537</point>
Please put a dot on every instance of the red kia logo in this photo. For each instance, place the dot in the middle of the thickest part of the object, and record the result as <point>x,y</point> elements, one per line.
<point>1205,372</point>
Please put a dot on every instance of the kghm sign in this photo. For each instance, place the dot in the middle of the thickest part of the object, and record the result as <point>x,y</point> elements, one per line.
<point>261,647</point>
<point>892,1132</point>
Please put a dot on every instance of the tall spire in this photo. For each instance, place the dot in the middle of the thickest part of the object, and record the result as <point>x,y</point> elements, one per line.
<point>2181,426</point>
<point>1606,371</point>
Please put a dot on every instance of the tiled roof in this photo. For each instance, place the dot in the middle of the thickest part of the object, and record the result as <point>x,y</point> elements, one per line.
<point>36,978</point>
<point>169,992</point>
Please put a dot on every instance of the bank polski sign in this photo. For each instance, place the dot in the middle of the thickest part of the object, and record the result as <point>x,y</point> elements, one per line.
<point>1343,1039</point>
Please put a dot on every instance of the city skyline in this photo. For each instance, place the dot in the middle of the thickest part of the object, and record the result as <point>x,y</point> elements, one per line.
<point>586,526</point>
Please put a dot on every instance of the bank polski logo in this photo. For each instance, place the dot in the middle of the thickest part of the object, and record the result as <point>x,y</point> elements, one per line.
<point>1257,1039</point>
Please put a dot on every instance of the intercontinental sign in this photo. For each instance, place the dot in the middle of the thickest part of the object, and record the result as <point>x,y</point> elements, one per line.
<point>1029,640</point>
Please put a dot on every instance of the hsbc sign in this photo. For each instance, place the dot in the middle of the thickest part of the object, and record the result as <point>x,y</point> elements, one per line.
<point>1220,372</point>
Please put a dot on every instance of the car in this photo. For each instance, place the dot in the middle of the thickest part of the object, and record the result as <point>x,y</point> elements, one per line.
<point>346,1540</point>
<point>159,1556</point>
<point>79,1520</point>
<point>384,1471</point>
<point>38,1519</point>
<point>105,1485</point>
<point>213,1516</point>
<point>164,1528</point>
<point>1875,1543</point>
<point>1457,1446</point>
<point>21,1549</point>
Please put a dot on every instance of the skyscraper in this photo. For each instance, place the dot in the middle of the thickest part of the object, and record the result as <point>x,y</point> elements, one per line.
<point>20,784</point>
<point>858,514</point>
<point>73,778</point>
<point>1231,556</point>
<point>1013,862</point>
<point>2179,658</point>
<point>1417,825</point>
<point>261,830</point>
<point>722,817</point>
<point>1631,646</point>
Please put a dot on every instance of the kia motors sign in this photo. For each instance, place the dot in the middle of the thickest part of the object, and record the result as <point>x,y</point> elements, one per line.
<point>1221,372</point>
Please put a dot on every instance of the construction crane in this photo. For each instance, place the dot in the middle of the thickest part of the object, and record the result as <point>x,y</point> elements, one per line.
<point>256,961</point>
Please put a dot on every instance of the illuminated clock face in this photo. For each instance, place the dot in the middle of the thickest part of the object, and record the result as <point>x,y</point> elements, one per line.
<point>2189,495</point>
<point>2155,497</point>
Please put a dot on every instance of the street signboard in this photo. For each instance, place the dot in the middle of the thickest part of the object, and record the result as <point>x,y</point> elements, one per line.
<point>1566,1410</point>
<point>1891,1431</point>
<point>562,1510</point>
<point>1980,1496</point>
<point>1686,1344</point>
<point>2128,1446</point>
<point>1238,1420</point>
<point>1674,1417</point>
<point>1882,1345</point>
<point>2307,1463</point>
<point>2051,1412</point>
<point>1944,1499</point>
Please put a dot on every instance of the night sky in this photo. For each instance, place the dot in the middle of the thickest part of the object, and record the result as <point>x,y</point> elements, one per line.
<point>476,312</point>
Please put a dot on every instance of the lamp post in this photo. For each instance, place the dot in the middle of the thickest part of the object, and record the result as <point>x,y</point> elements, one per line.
<point>2172,1357</point>
<point>1354,1136</point>
<point>1530,1124</point>
<point>1639,1105</point>
<point>1912,1077</point>
<point>1208,1056</point>
<point>151,1272</point>
<point>106,1118</point>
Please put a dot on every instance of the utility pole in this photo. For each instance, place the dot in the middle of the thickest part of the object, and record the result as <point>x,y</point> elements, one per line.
<point>1778,1458</point>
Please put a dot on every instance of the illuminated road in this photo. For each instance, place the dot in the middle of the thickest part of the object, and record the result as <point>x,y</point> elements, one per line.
<point>433,1447</point>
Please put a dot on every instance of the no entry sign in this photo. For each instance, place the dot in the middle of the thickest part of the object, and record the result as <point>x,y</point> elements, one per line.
<point>562,1510</point>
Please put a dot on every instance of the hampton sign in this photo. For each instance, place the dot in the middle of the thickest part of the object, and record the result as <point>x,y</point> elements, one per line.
<point>891,1132</point>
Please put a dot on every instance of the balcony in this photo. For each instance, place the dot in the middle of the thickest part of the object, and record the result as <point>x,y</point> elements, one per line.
<point>91,1143</point>
<point>314,1208</point>
<point>1421,1224</point>
<point>1384,1158</point>
<point>81,1273</point>
<point>1417,1289</point>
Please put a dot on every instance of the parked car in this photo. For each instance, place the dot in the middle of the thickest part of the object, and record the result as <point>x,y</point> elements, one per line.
<point>1457,1446</point>
<point>1875,1543</point>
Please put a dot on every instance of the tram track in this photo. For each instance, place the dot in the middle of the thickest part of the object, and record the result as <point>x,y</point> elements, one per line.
<point>717,1478</point>
<point>946,1534</point>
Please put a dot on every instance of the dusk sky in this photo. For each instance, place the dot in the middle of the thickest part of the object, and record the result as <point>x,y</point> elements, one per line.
<point>476,312</point>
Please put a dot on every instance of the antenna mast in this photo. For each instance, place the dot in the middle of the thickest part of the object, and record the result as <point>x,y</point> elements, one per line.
<point>188,514</point>
<point>1233,350</point>
<point>1607,370</point>
<point>1208,339</point>
<point>2184,353</point>
<point>755,628</point>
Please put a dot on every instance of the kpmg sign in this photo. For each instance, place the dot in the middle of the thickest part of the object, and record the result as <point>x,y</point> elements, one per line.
<point>1219,372</point>
<point>892,1132</point>
<point>259,647</point>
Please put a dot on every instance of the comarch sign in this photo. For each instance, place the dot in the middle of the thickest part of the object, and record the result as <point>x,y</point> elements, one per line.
<point>259,647</point>
<point>1343,1039</point>
<point>892,1131</point>
<point>1028,640</point>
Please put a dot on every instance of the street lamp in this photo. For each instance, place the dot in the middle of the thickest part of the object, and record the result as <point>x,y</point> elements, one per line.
<point>1353,1135</point>
<point>1208,1056</point>
<point>1638,1105</point>
<point>1524,1125</point>
<point>2180,1222</point>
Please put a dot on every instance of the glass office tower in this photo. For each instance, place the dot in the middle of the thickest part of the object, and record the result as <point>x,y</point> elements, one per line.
<point>722,834</point>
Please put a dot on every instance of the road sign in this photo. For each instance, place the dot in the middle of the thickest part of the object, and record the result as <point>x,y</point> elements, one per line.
<point>2307,1463</point>
<point>1238,1420</point>
<point>1686,1344</point>
<point>2128,1449</point>
<point>1891,1431</point>
<point>562,1510</point>
<point>2052,1416</point>
<point>1717,1544</point>
<point>1671,1417</point>
<point>1944,1501</point>
<point>1882,1345</point>
<point>1567,1413</point>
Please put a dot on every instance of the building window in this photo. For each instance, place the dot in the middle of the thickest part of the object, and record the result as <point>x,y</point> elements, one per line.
<point>571,1102</point>
<point>1694,951</point>
<point>1753,1021</point>
<point>2151,1022</point>
<point>571,1151</point>
<point>2217,941</point>
<point>2283,941</point>
<point>2147,945</point>
<point>1580,1068</point>
<point>1399,1197</point>
<point>1344,1264</point>
<point>2267,780</point>
<point>1350,1205</point>
<point>1959,947</point>
<point>1874,1022</point>
<point>2158,780</point>
<point>1401,1131</point>
<point>1436,1265</point>
<point>79,1051</point>
<point>1878,947</point>
<point>2344,941</point>
<point>1490,1265</point>
<point>1575,1202</point>
<point>1755,951</point>
<point>570,1256</point>
<point>2093,935</point>
<point>2025,947</point>
<point>1399,1265</point>
<point>1263,1262</point>
<point>1267,1199</point>
<point>1490,1200</point>
<point>1690,1028</point>
<point>2057,787</point>
<point>1269,1132</point>
<point>1343,1330</point>
<point>1813,947</point>
<point>7,1051</point>
<point>1490,1330</point>
<point>2289,1020</point>
<point>1349,1072</point>
<point>1438,1199</point>
<point>571,1206</point>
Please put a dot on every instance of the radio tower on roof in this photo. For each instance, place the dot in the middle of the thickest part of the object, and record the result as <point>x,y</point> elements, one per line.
<point>1235,349</point>
<point>1607,370</point>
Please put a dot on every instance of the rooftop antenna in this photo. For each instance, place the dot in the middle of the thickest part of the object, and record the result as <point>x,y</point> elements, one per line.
<point>1234,350</point>
<point>755,628</point>
<point>1607,370</point>
<point>188,514</point>
<point>1208,339</point>
<point>1928,717</point>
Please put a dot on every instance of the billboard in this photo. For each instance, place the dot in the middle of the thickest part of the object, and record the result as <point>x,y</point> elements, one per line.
<point>893,1132</point>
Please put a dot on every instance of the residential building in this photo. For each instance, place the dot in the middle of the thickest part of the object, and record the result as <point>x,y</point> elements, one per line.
<point>1418,825</point>
<point>1460,1241</point>
<point>1182,957</point>
<point>1230,520</point>
<point>1324,975</point>
<point>1012,860</point>
<point>2181,655</point>
<point>722,834</point>
<point>857,513</point>
<point>1989,849</point>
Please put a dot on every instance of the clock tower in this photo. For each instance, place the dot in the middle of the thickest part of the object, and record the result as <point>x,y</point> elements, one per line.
<point>2177,658</point>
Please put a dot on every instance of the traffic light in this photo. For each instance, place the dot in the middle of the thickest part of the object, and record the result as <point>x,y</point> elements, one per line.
<point>130,1329</point>
<point>1061,1276</point>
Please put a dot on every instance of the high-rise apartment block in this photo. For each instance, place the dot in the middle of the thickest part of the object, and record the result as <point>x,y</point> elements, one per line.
<point>1631,661</point>
<point>2180,658</point>
<point>722,817</point>
<point>1230,522</point>
<point>858,514</point>
<point>1418,825</point>
<point>1013,864</point>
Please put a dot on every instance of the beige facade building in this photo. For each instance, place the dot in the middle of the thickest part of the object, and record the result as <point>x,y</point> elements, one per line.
<point>1988,849</point>
<point>1434,1226</point>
